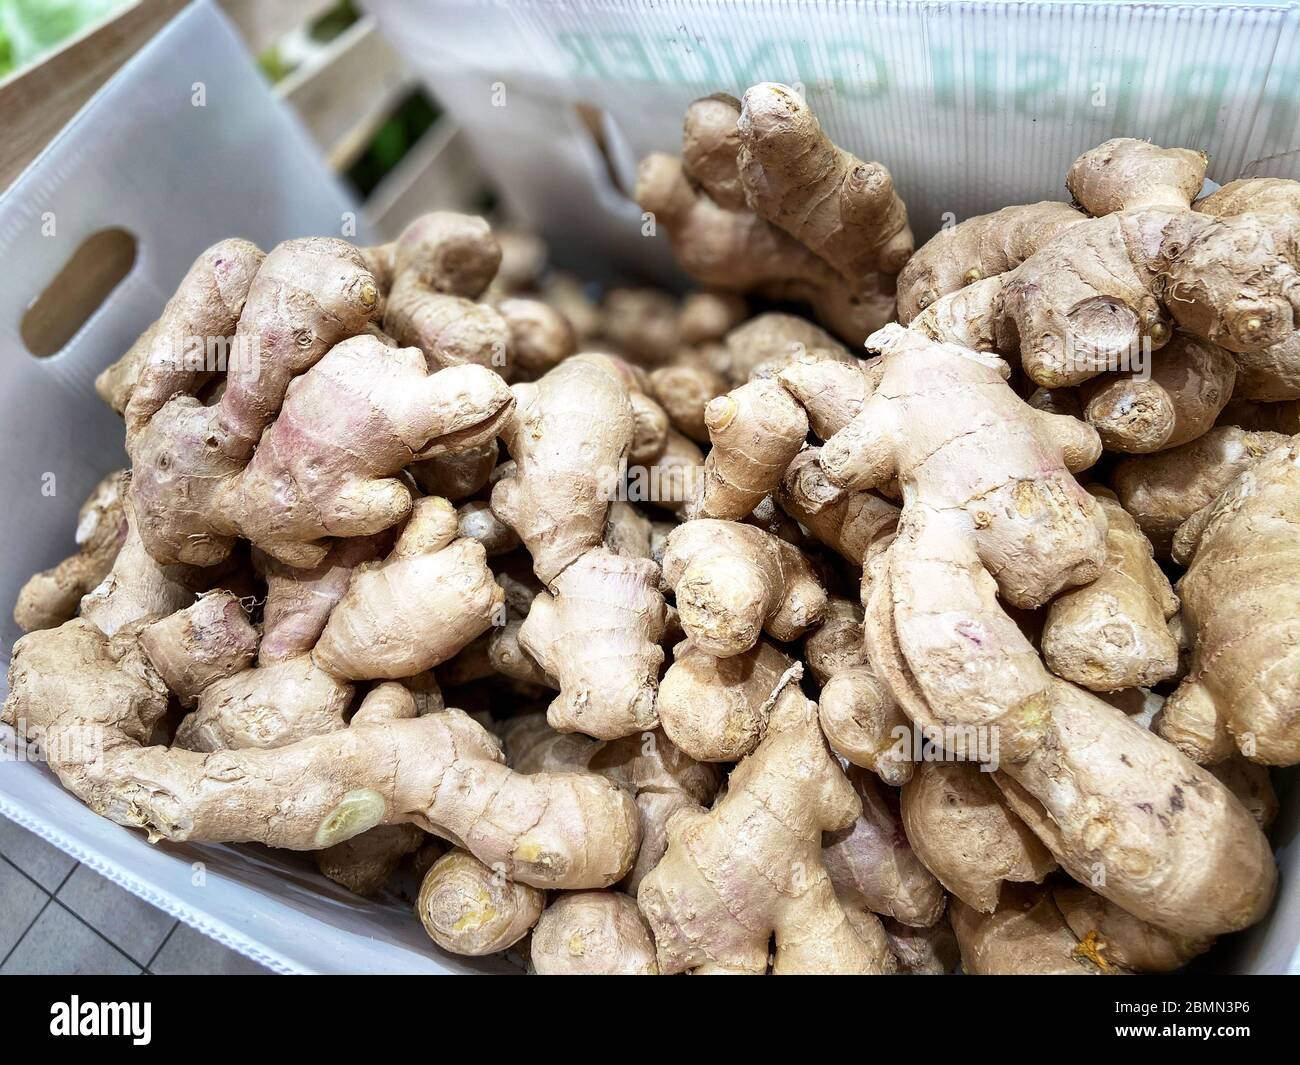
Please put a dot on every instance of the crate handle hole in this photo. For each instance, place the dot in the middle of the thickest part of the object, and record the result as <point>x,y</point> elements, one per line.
<point>95,269</point>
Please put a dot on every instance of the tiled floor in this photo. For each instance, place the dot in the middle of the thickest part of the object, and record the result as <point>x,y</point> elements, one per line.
<point>60,917</point>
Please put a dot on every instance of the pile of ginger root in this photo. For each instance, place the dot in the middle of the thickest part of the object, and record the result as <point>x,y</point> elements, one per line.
<point>861,611</point>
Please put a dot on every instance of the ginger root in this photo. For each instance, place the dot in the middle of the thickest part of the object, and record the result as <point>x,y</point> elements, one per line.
<point>734,582</point>
<point>1240,596</point>
<point>962,829</point>
<point>1071,298</point>
<point>1025,936</point>
<point>597,633</point>
<point>567,436</point>
<point>50,598</point>
<point>1162,491</point>
<point>1112,633</point>
<point>468,908</point>
<point>873,865</point>
<point>761,201</point>
<point>973,528</point>
<point>441,264</point>
<point>751,868</point>
<point>441,772</point>
<point>716,709</point>
<point>859,717</point>
<point>593,933</point>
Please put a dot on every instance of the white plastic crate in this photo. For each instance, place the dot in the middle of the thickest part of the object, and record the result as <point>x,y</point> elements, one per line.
<point>178,178</point>
<point>142,158</point>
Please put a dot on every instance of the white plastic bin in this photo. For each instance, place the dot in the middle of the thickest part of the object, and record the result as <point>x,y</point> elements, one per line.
<point>972,105</point>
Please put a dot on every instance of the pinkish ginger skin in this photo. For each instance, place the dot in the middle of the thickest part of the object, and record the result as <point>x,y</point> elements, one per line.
<point>442,263</point>
<point>311,477</point>
<point>299,601</point>
<point>872,864</point>
<point>205,309</point>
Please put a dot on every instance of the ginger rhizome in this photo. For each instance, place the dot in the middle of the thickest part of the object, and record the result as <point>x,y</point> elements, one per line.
<point>1178,300</point>
<point>716,709</point>
<point>967,836</point>
<point>766,646</point>
<point>750,869</point>
<point>1112,633</point>
<point>441,772</point>
<point>1241,607</point>
<point>468,908</point>
<point>50,598</point>
<point>762,201</point>
<point>734,582</point>
<point>593,933</point>
<point>659,777</point>
<point>289,498</point>
<point>596,628</point>
<point>859,717</point>
<point>991,512</point>
<point>873,864</point>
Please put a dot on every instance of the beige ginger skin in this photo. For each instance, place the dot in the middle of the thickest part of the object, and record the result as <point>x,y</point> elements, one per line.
<point>1112,633</point>
<point>1101,287</point>
<point>468,908</point>
<point>768,342</point>
<point>978,248</point>
<point>755,431</point>
<point>1162,491</point>
<point>763,842</point>
<point>1177,400</point>
<point>1165,831</point>
<point>431,585</point>
<point>859,717</point>
<point>734,582</point>
<point>50,598</point>
<point>441,772</point>
<point>138,587</point>
<point>1240,596</point>
<point>364,864</point>
<point>289,498</point>
<point>440,265</point>
<point>716,709</point>
<point>962,829</point>
<point>845,520</point>
<point>1271,374</point>
<point>597,633</point>
<point>1026,935</point>
<point>660,777</point>
<point>593,933</point>
<point>207,303</point>
<point>568,434</point>
<point>202,654</point>
<point>1120,939</point>
<point>736,207</point>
